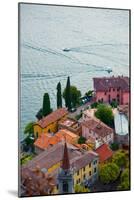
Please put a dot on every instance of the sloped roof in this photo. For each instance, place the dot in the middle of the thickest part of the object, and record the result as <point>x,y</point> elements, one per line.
<point>44,141</point>
<point>47,139</point>
<point>54,155</point>
<point>97,126</point>
<point>104,83</point>
<point>104,152</point>
<point>53,117</point>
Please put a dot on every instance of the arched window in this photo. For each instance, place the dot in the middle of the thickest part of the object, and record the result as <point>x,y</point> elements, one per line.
<point>65,186</point>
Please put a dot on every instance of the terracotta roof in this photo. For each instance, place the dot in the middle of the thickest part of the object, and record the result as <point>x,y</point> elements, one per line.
<point>104,152</point>
<point>47,139</point>
<point>104,83</point>
<point>54,116</point>
<point>98,127</point>
<point>68,135</point>
<point>54,155</point>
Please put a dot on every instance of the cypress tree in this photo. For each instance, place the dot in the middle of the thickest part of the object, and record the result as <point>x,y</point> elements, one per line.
<point>46,109</point>
<point>59,96</point>
<point>68,95</point>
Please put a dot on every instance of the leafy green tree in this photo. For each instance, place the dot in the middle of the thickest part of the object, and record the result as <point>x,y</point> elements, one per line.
<point>89,93</point>
<point>46,109</point>
<point>94,105</point>
<point>124,180</point>
<point>81,188</point>
<point>59,96</point>
<point>119,158</point>
<point>105,114</point>
<point>114,146</point>
<point>114,104</point>
<point>108,172</point>
<point>81,140</point>
<point>29,140</point>
<point>29,130</point>
<point>75,95</point>
<point>67,94</point>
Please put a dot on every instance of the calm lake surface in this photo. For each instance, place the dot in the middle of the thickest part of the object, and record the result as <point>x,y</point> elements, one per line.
<point>96,39</point>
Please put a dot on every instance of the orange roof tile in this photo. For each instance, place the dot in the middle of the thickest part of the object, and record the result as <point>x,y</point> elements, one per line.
<point>104,152</point>
<point>47,139</point>
<point>54,116</point>
<point>67,135</point>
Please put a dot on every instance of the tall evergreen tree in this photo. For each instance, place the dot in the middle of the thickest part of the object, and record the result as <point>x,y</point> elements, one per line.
<point>46,109</point>
<point>59,96</point>
<point>68,94</point>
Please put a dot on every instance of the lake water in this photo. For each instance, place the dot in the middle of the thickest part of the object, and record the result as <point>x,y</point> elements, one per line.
<point>96,39</point>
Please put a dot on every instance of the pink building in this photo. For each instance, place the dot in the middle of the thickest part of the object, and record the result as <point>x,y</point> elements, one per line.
<point>108,89</point>
<point>100,132</point>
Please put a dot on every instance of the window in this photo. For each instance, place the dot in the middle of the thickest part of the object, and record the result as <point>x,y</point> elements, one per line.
<point>90,173</point>
<point>77,173</point>
<point>109,89</point>
<point>118,89</point>
<point>95,170</point>
<point>90,165</point>
<point>84,176</point>
<point>83,168</point>
<point>65,186</point>
<point>105,93</point>
<point>109,98</point>
<point>95,162</point>
<point>37,134</point>
<point>113,89</point>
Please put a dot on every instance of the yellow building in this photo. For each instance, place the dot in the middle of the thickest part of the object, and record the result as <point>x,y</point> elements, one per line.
<point>84,164</point>
<point>50,122</point>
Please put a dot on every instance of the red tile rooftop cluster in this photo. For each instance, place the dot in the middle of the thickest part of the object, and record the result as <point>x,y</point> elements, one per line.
<point>104,83</point>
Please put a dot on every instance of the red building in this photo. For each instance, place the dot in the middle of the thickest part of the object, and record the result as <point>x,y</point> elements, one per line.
<point>108,89</point>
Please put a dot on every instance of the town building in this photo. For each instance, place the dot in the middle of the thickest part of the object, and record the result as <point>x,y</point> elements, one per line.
<point>71,125</point>
<point>105,153</point>
<point>65,176</point>
<point>125,110</point>
<point>47,140</point>
<point>121,128</point>
<point>84,164</point>
<point>50,122</point>
<point>97,130</point>
<point>89,113</point>
<point>108,89</point>
<point>35,182</point>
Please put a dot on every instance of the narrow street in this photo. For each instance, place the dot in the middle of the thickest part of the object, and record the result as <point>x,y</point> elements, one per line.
<point>79,109</point>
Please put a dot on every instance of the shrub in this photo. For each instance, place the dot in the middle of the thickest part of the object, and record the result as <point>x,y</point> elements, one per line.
<point>81,140</point>
<point>124,180</point>
<point>114,146</point>
<point>108,172</point>
<point>105,114</point>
